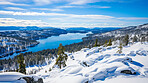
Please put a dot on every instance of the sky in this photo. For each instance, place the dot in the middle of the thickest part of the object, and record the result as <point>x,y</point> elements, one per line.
<point>73,13</point>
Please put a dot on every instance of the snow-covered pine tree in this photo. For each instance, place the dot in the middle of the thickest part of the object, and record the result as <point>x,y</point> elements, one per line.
<point>126,40</point>
<point>96,43</point>
<point>142,39</point>
<point>109,43</point>
<point>135,39</point>
<point>120,49</point>
<point>105,44</point>
<point>62,58</point>
<point>22,66</point>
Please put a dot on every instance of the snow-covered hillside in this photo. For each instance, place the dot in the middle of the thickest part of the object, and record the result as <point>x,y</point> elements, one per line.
<point>140,30</point>
<point>101,64</point>
<point>15,77</point>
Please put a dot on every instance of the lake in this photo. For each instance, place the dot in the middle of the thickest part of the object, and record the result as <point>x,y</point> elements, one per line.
<point>53,42</point>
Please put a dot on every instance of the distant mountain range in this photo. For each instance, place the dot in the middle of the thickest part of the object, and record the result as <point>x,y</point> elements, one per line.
<point>19,28</point>
<point>130,30</point>
<point>93,30</point>
<point>70,30</point>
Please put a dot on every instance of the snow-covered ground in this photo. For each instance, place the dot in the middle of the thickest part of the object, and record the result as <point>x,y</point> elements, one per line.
<point>11,77</point>
<point>16,77</point>
<point>100,65</point>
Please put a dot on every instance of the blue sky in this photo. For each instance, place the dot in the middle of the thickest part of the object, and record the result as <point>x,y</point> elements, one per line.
<point>73,13</point>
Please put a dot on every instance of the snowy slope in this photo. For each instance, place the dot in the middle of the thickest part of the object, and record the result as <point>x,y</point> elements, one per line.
<point>11,77</point>
<point>16,77</point>
<point>101,64</point>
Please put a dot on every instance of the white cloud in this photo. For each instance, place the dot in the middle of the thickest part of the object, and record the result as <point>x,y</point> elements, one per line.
<point>18,22</point>
<point>88,6</point>
<point>42,2</point>
<point>10,3</point>
<point>31,13</point>
<point>58,19</point>
<point>93,16</point>
<point>47,9</point>
<point>69,6</point>
<point>103,7</point>
<point>56,14</point>
<point>55,10</point>
<point>132,18</point>
<point>76,2</point>
<point>14,8</point>
<point>80,2</point>
<point>7,12</point>
<point>66,23</point>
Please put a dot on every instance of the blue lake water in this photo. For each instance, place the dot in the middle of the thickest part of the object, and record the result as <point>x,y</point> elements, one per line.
<point>53,42</point>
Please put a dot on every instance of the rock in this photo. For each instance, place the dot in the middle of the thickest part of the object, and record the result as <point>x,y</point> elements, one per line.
<point>28,79</point>
<point>31,80</point>
<point>128,72</point>
<point>40,80</point>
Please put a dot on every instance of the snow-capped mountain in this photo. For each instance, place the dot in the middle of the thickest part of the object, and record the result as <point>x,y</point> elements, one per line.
<point>131,30</point>
<point>134,30</point>
<point>100,65</point>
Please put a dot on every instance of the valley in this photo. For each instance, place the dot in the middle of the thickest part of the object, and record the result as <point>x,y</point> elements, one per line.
<point>95,58</point>
<point>15,42</point>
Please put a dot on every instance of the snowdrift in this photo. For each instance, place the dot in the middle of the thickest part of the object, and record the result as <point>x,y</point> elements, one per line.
<point>101,64</point>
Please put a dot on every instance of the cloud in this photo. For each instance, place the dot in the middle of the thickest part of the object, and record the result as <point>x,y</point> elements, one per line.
<point>88,6</point>
<point>93,16</point>
<point>10,3</point>
<point>47,9</point>
<point>42,2</point>
<point>58,19</point>
<point>65,23</point>
<point>14,8</point>
<point>55,14</point>
<point>69,6</point>
<point>81,2</point>
<point>18,22</point>
<point>75,2</point>
<point>133,18</point>
<point>103,7</point>
<point>31,13</point>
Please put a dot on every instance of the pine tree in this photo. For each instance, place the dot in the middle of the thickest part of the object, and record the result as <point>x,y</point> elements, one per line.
<point>135,39</point>
<point>110,43</point>
<point>143,39</point>
<point>126,40</point>
<point>61,60</point>
<point>105,44</point>
<point>120,49</point>
<point>96,43</point>
<point>22,66</point>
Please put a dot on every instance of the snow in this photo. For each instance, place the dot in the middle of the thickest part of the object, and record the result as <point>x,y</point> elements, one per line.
<point>11,77</point>
<point>100,65</point>
<point>122,79</point>
<point>15,77</point>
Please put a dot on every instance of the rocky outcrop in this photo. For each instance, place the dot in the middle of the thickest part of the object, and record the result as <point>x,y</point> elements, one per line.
<point>29,79</point>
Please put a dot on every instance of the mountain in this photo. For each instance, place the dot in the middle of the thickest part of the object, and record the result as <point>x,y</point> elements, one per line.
<point>19,28</point>
<point>103,64</point>
<point>103,30</point>
<point>78,30</point>
<point>9,28</point>
<point>98,65</point>
<point>131,30</point>
<point>93,30</point>
<point>30,28</point>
